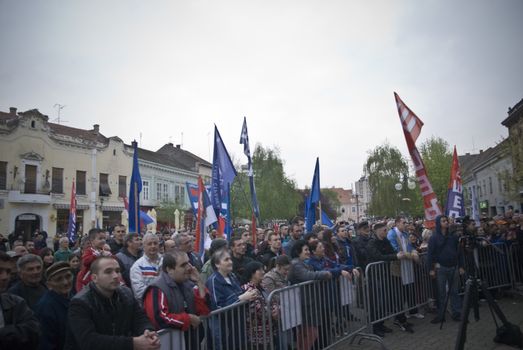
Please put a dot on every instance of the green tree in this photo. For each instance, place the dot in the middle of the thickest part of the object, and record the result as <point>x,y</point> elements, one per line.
<point>276,193</point>
<point>385,166</point>
<point>437,157</point>
<point>329,202</point>
<point>165,212</point>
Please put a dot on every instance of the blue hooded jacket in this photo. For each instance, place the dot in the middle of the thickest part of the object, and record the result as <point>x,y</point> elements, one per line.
<point>443,249</point>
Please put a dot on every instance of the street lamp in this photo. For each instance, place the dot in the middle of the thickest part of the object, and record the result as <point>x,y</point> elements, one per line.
<point>401,186</point>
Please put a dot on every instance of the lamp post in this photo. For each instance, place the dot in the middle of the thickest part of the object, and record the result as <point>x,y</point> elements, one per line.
<point>401,188</point>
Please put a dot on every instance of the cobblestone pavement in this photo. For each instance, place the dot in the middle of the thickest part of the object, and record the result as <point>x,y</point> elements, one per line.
<point>427,336</point>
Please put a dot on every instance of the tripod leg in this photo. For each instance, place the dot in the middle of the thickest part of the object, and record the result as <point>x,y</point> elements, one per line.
<point>492,303</point>
<point>462,333</point>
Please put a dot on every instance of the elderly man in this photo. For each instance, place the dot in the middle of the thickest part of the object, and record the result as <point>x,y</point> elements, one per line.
<point>147,268</point>
<point>30,286</point>
<point>185,243</point>
<point>177,297</point>
<point>105,315</point>
<point>19,328</point>
<point>63,252</point>
<point>52,308</point>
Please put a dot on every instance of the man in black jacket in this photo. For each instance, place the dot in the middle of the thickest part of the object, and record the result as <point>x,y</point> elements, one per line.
<point>19,328</point>
<point>442,259</point>
<point>360,244</point>
<point>105,315</point>
<point>379,249</point>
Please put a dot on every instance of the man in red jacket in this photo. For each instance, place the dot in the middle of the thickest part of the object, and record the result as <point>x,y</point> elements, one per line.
<point>177,297</point>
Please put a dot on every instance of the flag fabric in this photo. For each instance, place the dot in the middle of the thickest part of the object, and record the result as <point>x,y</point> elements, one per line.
<point>244,140</point>
<point>223,174</point>
<point>192,192</point>
<point>71,226</point>
<point>315,188</point>
<point>313,198</point>
<point>205,217</point>
<point>145,219</point>
<point>325,220</point>
<point>134,194</point>
<point>411,129</point>
<point>475,207</point>
<point>455,206</point>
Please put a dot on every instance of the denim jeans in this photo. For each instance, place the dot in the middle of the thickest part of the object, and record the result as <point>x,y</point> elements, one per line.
<point>448,275</point>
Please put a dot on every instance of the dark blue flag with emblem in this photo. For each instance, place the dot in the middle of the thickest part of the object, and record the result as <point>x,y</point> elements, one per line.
<point>134,194</point>
<point>244,140</point>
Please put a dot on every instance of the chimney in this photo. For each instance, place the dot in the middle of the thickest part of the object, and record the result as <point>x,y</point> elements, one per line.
<point>12,110</point>
<point>170,144</point>
<point>96,128</point>
<point>467,154</point>
<point>178,146</point>
<point>480,151</point>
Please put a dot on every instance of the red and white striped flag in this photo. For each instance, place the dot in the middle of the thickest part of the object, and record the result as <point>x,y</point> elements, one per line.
<point>411,123</point>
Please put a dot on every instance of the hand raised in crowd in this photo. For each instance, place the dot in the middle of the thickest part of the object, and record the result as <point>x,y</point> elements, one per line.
<point>195,320</point>
<point>147,341</point>
<point>249,295</point>
<point>346,274</point>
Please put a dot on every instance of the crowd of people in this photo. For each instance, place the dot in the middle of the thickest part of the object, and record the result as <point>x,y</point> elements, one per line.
<point>115,290</point>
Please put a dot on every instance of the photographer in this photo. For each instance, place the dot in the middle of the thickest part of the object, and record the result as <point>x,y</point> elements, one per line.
<point>442,259</point>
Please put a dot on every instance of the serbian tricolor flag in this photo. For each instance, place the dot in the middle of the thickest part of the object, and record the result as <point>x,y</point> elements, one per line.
<point>204,218</point>
<point>455,206</point>
<point>411,129</point>
<point>71,227</point>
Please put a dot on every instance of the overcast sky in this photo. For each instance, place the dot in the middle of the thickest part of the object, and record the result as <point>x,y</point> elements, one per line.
<point>313,78</point>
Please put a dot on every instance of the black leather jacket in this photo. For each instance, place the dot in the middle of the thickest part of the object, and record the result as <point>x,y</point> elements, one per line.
<point>22,329</point>
<point>98,322</point>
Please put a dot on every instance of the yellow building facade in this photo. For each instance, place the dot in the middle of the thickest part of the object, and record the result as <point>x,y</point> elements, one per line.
<point>40,160</point>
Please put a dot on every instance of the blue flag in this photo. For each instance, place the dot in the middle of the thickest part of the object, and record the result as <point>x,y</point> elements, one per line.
<point>313,198</point>
<point>134,194</point>
<point>325,220</point>
<point>315,188</point>
<point>223,174</point>
<point>244,140</point>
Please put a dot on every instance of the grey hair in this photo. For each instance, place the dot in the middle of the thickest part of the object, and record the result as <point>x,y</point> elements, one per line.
<point>26,259</point>
<point>64,239</point>
<point>149,236</point>
<point>178,238</point>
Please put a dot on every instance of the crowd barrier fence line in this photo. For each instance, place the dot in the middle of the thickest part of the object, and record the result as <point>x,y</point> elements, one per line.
<point>328,312</point>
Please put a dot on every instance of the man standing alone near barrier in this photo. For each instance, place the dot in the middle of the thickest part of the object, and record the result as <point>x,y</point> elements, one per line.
<point>442,260</point>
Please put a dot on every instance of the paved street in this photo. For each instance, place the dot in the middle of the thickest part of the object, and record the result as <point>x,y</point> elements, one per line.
<point>428,336</point>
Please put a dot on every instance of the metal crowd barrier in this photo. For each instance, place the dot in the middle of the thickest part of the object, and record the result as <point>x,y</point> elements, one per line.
<point>321,314</point>
<point>516,264</point>
<point>495,265</point>
<point>388,295</point>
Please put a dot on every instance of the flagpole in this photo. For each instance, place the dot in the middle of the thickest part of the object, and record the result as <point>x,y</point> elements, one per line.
<point>136,218</point>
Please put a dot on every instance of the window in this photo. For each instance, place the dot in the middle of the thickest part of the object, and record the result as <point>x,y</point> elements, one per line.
<point>122,186</point>
<point>33,124</point>
<point>80,182</point>
<point>145,190</point>
<point>177,194</point>
<point>479,191</point>
<point>165,196</point>
<point>104,189</point>
<point>490,185</point>
<point>3,175</point>
<point>182,195</point>
<point>58,180</point>
<point>500,185</point>
<point>353,209</point>
<point>484,188</point>
<point>30,179</point>
<point>158,192</point>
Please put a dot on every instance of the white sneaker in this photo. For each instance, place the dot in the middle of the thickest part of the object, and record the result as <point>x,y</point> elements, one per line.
<point>418,316</point>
